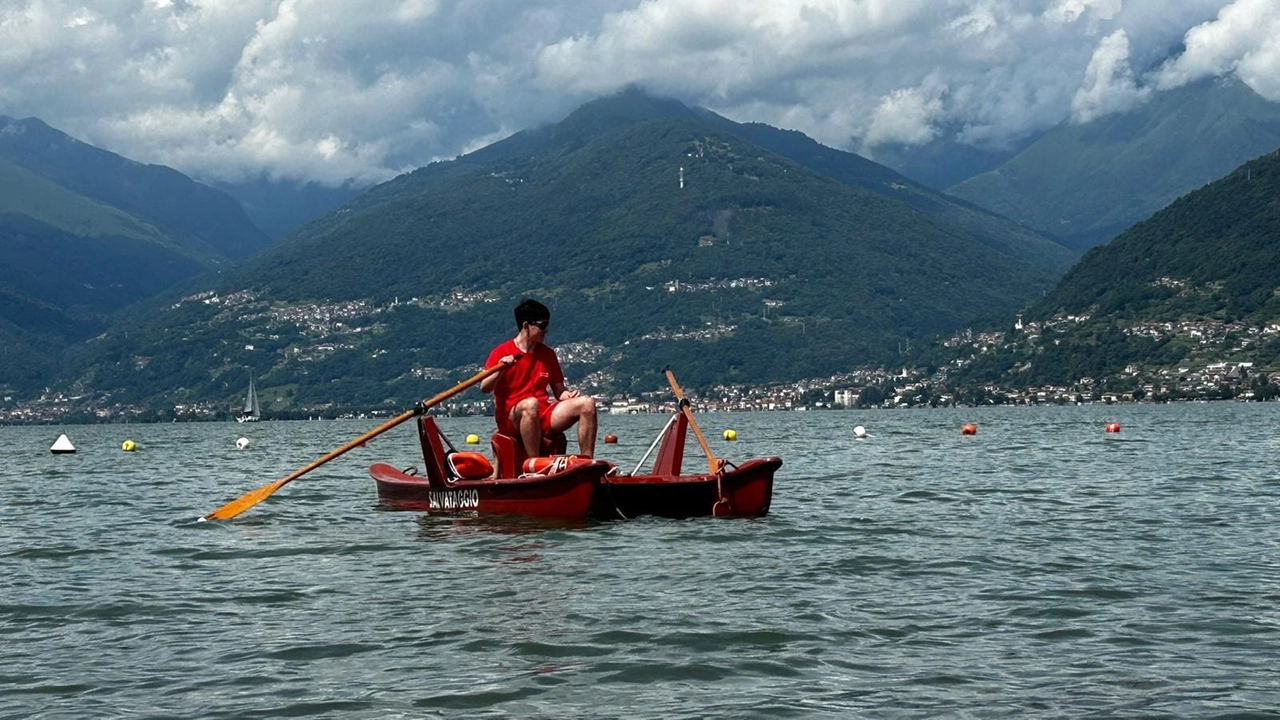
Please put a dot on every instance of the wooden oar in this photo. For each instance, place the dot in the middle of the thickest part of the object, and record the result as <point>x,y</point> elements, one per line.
<point>253,497</point>
<point>713,463</point>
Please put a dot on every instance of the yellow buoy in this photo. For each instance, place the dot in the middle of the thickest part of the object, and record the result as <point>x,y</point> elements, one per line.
<point>730,435</point>
<point>128,446</point>
<point>473,439</point>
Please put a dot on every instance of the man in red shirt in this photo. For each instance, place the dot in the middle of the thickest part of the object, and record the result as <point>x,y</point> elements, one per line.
<point>522,406</point>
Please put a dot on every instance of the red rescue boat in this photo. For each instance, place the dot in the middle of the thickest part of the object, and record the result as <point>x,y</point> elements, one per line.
<point>570,487</point>
<point>464,482</point>
<point>732,491</point>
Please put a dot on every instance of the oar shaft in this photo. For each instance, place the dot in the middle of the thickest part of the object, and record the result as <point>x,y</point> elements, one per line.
<point>350,446</point>
<point>713,463</point>
<point>253,497</point>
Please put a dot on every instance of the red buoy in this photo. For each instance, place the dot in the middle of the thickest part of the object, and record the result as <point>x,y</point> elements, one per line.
<point>1113,427</point>
<point>553,463</point>
<point>610,439</point>
<point>969,429</point>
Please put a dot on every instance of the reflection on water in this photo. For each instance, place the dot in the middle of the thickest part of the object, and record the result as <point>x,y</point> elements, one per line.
<point>436,527</point>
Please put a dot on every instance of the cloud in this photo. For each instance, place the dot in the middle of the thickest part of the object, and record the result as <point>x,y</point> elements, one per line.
<point>331,91</point>
<point>1243,39</point>
<point>1068,11</point>
<point>905,116</point>
<point>1109,84</point>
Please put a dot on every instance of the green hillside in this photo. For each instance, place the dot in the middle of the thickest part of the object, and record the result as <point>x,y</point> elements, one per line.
<point>24,357</point>
<point>945,161</point>
<point>1214,252</point>
<point>997,232</point>
<point>23,193</point>
<point>1086,183</point>
<point>200,218</point>
<point>1195,284</point>
<point>68,262</point>
<point>756,269</point>
<point>85,232</point>
<point>279,207</point>
<point>633,105</point>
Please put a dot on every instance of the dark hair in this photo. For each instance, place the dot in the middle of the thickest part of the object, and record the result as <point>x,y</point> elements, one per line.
<point>530,310</point>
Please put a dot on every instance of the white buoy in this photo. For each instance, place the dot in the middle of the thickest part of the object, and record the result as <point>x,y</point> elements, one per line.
<point>62,446</point>
<point>859,432</point>
<point>242,443</point>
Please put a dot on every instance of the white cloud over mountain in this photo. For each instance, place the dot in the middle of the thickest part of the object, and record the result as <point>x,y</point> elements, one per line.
<point>331,90</point>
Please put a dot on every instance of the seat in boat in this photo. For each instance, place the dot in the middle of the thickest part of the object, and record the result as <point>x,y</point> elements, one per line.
<point>510,455</point>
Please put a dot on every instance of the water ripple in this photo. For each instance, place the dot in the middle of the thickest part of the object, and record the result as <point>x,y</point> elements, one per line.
<point>1039,568</point>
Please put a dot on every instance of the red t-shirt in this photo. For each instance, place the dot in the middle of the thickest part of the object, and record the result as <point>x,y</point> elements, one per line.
<point>530,376</point>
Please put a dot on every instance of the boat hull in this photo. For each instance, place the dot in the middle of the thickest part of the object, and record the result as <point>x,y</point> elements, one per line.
<point>744,491</point>
<point>566,495</point>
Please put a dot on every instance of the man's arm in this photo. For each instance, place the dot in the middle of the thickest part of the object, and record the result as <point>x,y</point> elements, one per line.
<point>560,391</point>
<point>486,385</point>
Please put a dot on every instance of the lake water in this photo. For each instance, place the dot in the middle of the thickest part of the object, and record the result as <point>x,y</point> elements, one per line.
<point>1041,568</point>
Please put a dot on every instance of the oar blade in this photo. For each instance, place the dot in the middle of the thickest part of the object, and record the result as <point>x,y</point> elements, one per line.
<point>253,497</point>
<point>244,502</point>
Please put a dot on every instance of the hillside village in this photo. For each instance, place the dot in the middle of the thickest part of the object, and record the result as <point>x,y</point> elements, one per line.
<point>1224,373</point>
<point>1219,365</point>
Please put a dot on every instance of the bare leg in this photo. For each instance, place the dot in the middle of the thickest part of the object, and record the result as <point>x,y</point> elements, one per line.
<point>587,431</point>
<point>580,410</point>
<point>525,417</point>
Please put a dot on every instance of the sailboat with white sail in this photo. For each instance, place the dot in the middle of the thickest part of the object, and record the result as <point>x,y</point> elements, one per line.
<point>250,412</point>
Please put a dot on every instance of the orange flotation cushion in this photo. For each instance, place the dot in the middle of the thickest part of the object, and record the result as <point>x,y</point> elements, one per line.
<point>553,463</point>
<point>468,465</point>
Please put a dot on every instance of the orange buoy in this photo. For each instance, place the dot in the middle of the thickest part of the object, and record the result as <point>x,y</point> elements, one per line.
<point>1113,427</point>
<point>611,439</point>
<point>969,429</point>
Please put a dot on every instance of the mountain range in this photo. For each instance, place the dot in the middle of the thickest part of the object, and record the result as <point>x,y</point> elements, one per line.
<point>1084,183</point>
<point>280,206</point>
<point>657,234</point>
<point>85,232</point>
<point>632,105</point>
<point>1193,285</point>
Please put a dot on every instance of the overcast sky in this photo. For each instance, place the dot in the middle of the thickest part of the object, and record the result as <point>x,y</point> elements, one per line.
<point>336,90</point>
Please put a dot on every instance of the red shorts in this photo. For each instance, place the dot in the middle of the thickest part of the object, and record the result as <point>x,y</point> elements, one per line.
<point>545,406</point>
<point>544,416</point>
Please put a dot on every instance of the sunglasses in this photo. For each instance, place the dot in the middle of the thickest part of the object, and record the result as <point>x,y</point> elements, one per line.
<point>541,324</point>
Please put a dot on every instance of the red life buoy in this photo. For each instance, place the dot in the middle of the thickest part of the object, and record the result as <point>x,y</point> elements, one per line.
<point>553,464</point>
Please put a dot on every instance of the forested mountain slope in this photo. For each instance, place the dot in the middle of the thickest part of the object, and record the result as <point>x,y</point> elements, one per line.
<point>655,240</point>
<point>84,232</point>
<point>1085,183</point>
<point>1197,284</point>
